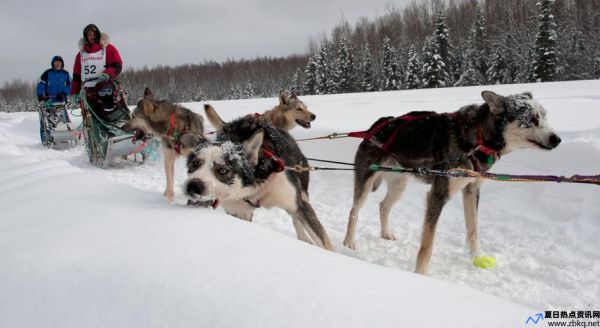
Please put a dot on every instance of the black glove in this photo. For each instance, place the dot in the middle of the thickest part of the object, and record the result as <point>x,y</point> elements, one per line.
<point>41,97</point>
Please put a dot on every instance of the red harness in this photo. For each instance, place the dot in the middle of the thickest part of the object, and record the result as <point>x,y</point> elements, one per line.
<point>280,167</point>
<point>369,135</point>
<point>174,133</point>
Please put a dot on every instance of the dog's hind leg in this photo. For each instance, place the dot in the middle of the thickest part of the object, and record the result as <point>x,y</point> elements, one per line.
<point>396,184</point>
<point>363,184</point>
<point>436,199</point>
<point>170,155</point>
<point>308,227</point>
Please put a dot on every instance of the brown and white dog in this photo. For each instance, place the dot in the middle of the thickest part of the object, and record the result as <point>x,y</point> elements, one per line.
<point>179,128</point>
<point>290,112</point>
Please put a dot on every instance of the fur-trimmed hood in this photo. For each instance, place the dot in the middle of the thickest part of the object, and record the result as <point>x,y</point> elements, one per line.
<point>104,41</point>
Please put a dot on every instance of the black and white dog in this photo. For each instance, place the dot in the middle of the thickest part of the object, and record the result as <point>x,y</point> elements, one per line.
<point>472,138</point>
<point>245,168</point>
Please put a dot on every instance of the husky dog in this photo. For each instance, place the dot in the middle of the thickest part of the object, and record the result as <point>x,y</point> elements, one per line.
<point>471,138</point>
<point>245,169</point>
<point>290,112</point>
<point>179,128</point>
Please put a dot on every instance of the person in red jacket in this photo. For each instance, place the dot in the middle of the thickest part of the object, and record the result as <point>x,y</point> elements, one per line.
<point>97,61</point>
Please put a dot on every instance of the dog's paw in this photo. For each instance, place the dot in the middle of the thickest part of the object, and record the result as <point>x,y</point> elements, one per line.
<point>484,262</point>
<point>350,244</point>
<point>388,235</point>
<point>169,196</point>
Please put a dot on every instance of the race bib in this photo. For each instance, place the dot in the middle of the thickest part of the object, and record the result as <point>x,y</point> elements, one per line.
<point>92,65</point>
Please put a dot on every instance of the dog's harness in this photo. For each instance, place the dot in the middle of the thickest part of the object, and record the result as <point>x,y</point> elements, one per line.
<point>402,121</point>
<point>268,154</point>
<point>173,133</point>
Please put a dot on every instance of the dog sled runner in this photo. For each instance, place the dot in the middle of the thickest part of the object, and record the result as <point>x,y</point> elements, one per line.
<point>104,112</point>
<point>55,126</point>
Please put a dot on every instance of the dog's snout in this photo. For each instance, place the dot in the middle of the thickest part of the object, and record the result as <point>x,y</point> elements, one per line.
<point>195,187</point>
<point>554,140</point>
<point>313,117</point>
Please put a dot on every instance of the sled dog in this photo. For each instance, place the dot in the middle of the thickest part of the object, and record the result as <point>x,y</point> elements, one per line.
<point>290,112</point>
<point>471,138</point>
<point>179,128</point>
<point>244,168</point>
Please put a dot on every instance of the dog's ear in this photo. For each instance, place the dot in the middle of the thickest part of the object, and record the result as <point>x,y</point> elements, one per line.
<point>528,95</point>
<point>494,100</point>
<point>253,145</point>
<point>148,94</point>
<point>283,98</point>
<point>147,107</point>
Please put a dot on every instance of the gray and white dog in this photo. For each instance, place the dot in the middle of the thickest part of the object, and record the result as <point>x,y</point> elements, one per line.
<point>244,168</point>
<point>471,138</point>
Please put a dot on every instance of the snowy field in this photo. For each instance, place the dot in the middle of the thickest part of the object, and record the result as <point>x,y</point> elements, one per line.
<point>81,246</point>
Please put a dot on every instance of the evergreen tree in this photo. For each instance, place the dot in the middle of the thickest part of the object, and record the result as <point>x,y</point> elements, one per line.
<point>597,67</point>
<point>434,74</point>
<point>199,95</point>
<point>249,90</point>
<point>368,82</point>
<point>322,71</point>
<point>441,40</point>
<point>295,84</point>
<point>310,75</point>
<point>412,78</point>
<point>474,68</point>
<point>346,70</point>
<point>390,71</point>
<point>172,89</point>
<point>331,70</point>
<point>544,67</point>
<point>499,70</point>
<point>526,71</point>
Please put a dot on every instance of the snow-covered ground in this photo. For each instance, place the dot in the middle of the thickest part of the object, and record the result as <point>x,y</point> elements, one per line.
<point>81,246</point>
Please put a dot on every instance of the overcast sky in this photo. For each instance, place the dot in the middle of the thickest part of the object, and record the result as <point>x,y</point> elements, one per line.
<point>168,32</point>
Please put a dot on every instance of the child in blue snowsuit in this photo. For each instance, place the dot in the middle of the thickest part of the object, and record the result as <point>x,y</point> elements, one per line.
<point>54,86</point>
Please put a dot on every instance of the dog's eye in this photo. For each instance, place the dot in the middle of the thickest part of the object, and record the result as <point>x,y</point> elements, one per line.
<point>222,171</point>
<point>299,109</point>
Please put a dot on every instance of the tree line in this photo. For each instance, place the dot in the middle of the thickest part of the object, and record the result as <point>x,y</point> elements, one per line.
<point>427,44</point>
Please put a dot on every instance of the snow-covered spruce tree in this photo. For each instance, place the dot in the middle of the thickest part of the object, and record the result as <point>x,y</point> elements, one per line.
<point>332,70</point>
<point>412,77</point>
<point>433,73</point>
<point>390,76</point>
<point>322,71</point>
<point>249,90</point>
<point>172,89</point>
<point>369,81</point>
<point>295,84</point>
<point>199,95</point>
<point>441,40</point>
<point>544,67</point>
<point>310,75</point>
<point>346,69</point>
<point>597,67</point>
<point>235,92</point>
<point>499,71</point>
<point>474,67</point>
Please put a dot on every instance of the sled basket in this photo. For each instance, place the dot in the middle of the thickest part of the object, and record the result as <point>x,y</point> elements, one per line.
<point>55,127</point>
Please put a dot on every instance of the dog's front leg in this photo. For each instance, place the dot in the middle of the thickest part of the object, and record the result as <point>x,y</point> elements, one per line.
<point>170,155</point>
<point>239,208</point>
<point>436,199</point>
<point>471,206</point>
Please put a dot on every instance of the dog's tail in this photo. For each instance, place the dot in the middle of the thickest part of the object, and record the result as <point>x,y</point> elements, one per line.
<point>212,116</point>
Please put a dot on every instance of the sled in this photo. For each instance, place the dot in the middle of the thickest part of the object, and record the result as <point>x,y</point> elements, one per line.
<point>104,138</point>
<point>55,126</point>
